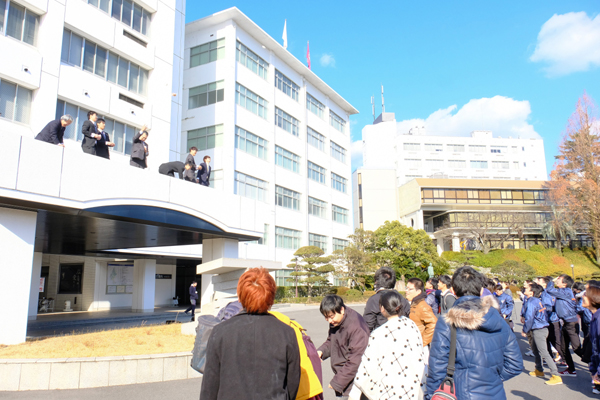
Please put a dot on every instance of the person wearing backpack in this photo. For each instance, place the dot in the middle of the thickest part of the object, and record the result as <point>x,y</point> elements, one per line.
<point>447,297</point>
<point>487,352</point>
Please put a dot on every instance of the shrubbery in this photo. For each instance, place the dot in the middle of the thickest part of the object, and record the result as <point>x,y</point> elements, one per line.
<point>353,293</point>
<point>538,248</point>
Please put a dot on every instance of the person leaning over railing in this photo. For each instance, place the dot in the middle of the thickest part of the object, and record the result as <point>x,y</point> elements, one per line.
<point>54,131</point>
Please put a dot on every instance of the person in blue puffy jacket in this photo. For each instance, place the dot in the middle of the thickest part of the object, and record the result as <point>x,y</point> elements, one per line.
<point>584,313</point>
<point>554,333</point>
<point>591,300</point>
<point>487,352</point>
<point>535,329</point>
<point>506,303</point>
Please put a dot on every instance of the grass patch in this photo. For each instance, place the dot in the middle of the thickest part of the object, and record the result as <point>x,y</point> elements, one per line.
<point>120,342</point>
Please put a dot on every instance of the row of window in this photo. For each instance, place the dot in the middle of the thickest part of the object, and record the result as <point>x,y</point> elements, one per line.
<point>85,54</point>
<point>15,102</point>
<point>477,164</point>
<point>126,11</point>
<point>18,22</point>
<point>483,196</point>
<point>205,138</point>
<point>460,148</point>
<point>290,239</point>
<point>495,220</point>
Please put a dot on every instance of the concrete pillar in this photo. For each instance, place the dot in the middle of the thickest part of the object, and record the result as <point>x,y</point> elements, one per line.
<point>17,235</point>
<point>455,243</point>
<point>144,280</point>
<point>213,249</point>
<point>34,293</point>
<point>440,246</point>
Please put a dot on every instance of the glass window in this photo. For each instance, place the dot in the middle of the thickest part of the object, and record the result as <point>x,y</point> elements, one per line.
<point>23,105</point>
<point>206,138</point>
<point>287,198</point>
<point>316,173</point>
<point>315,139</point>
<point>129,133</point>
<point>66,40</point>
<point>251,101</point>
<point>315,106</point>
<point>134,74</point>
<point>113,63</point>
<point>317,207</point>
<point>89,56</point>
<point>31,27</point>
<point>8,94</point>
<point>286,122</point>
<point>339,244</point>
<point>287,159</point>
<point>204,95</point>
<point>2,12</point>
<point>338,182</point>
<point>456,148</point>
<point>319,241</point>
<point>145,22</point>
<point>71,130</point>
<point>337,122</point>
<point>104,5</point>
<point>412,147</point>
<point>248,186</point>
<point>75,49</point>
<point>250,60</point>
<point>457,164</point>
<point>116,9</point>
<point>476,148</point>
<point>339,214</point>
<point>14,25</point>
<point>250,143</point>
<point>207,52</point>
<point>433,147</point>
<point>123,72</point>
<point>137,18</point>
<point>287,238</point>
<point>479,164</point>
<point>498,149</point>
<point>126,14</point>
<point>286,85</point>
<point>100,61</point>
<point>338,152</point>
<point>143,82</point>
<point>119,136</point>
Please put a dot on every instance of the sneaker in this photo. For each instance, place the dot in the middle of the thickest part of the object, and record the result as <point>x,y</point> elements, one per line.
<point>566,372</point>
<point>529,353</point>
<point>595,391</point>
<point>554,380</point>
<point>537,373</point>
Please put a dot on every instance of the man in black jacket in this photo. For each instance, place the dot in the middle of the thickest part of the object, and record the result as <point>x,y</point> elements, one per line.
<point>54,131</point>
<point>204,170</point>
<point>193,299</point>
<point>170,168</point>
<point>88,144</point>
<point>104,143</point>
<point>385,279</point>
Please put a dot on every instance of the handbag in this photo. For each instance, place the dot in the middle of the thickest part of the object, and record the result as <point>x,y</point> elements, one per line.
<point>447,390</point>
<point>206,323</point>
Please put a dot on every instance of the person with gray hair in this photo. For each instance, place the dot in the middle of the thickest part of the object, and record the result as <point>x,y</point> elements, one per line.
<point>54,131</point>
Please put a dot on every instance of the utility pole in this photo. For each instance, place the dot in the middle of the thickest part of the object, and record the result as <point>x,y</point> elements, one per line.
<point>573,271</point>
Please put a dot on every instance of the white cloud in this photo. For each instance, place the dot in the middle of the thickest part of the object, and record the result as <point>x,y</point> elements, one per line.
<point>568,43</point>
<point>501,115</point>
<point>327,60</point>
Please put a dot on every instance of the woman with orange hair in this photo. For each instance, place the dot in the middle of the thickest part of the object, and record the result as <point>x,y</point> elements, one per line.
<point>252,355</point>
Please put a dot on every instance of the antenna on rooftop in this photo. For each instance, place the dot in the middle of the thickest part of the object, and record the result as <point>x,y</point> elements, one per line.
<point>382,101</point>
<point>373,105</point>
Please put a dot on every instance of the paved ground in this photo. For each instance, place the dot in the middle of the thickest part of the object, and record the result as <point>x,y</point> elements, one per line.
<point>522,387</point>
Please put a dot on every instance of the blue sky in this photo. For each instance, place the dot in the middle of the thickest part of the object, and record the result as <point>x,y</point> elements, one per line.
<point>516,68</point>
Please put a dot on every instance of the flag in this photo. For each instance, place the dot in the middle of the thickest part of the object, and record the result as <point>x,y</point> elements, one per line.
<point>308,54</point>
<point>284,37</point>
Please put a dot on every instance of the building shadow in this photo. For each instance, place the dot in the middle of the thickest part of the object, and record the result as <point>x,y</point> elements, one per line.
<point>524,395</point>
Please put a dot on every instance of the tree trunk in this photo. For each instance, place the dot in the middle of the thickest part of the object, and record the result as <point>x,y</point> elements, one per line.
<point>597,254</point>
<point>486,249</point>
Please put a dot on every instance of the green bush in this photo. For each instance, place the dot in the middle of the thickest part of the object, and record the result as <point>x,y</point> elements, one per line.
<point>368,293</point>
<point>454,256</point>
<point>353,293</point>
<point>341,291</point>
<point>538,248</point>
<point>511,269</point>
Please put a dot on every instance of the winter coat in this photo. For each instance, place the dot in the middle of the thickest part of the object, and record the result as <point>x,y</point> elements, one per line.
<point>345,345</point>
<point>487,352</point>
<point>586,315</point>
<point>372,314</point>
<point>550,304</point>
<point>506,303</point>
<point>535,316</point>
<point>594,337</point>
<point>448,299</point>
<point>251,356</point>
<point>423,316</point>
<point>387,368</point>
<point>433,301</point>
<point>193,293</point>
<point>566,307</point>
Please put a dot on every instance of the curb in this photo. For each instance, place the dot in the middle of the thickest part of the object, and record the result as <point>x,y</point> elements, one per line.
<point>81,373</point>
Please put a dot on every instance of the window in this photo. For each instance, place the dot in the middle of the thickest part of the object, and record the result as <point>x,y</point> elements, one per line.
<point>15,102</point>
<point>251,101</point>
<point>90,57</point>
<point>316,173</point>
<point>265,236</point>
<point>434,163</point>
<point>314,106</point>
<point>515,165</point>
<point>286,121</point>
<point>476,148</point>
<point>248,186</point>
<point>433,147</point>
<point>287,159</point>
<point>498,149</point>
<point>339,214</point>
<point>338,152</point>
<point>318,240</point>
<point>317,207</point>
<point>457,164</point>
<point>336,121</point>
<point>412,163</point>
<point>315,139</point>
<point>286,85</point>
<point>207,53</point>
<point>70,279</point>
<point>129,13</point>
<point>250,143</point>
<point>20,23</point>
<point>287,238</point>
<point>339,244</point>
<point>287,198</point>
<point>338,183</point>
<point>412,147</point>
<point>479,164</point>
<point>456,148</point>
<point>250,60</point>
<point>204,95</point>
<point>283,277</point>
<point>206,138</point>
<point>500,165</point>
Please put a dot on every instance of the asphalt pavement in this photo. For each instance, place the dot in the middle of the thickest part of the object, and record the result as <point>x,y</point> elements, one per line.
<point>522,387</point>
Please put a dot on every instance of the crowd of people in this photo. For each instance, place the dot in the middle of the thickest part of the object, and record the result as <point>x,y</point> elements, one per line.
<point>97,142</point>
<point>400,348</point>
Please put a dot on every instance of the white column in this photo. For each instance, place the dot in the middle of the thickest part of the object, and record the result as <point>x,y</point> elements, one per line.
<point>34,292</point>
<point>144,275</point>
<point>440,246</point>
<point>213,249</point>
<point>17,235</point>
<point>455,243</point>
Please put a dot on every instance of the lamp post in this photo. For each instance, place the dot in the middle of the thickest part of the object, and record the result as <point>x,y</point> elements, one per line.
<point>573,271</point>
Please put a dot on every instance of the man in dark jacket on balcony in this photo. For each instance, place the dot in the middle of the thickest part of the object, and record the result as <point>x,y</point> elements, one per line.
<point>487,352</point>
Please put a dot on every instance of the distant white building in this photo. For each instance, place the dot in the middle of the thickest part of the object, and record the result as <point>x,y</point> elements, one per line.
<point>415,154</point>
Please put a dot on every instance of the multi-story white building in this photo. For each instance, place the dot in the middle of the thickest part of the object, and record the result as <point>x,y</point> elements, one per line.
<point>275,131</point>
<point>415,154</point>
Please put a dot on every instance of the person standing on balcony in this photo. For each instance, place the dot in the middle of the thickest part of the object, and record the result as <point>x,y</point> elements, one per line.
<point>54,131</point>
<point>139,149</point>
<point>90,135</point>
<point>104,142</point>
<point>204,170</point>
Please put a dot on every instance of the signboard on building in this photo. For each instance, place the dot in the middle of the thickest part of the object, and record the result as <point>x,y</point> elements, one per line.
<point>119,279</point>
<point>42,284</point>
<point>163,276</point>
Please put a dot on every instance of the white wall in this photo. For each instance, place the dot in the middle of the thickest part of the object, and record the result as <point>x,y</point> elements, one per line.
<point>165,288</point>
